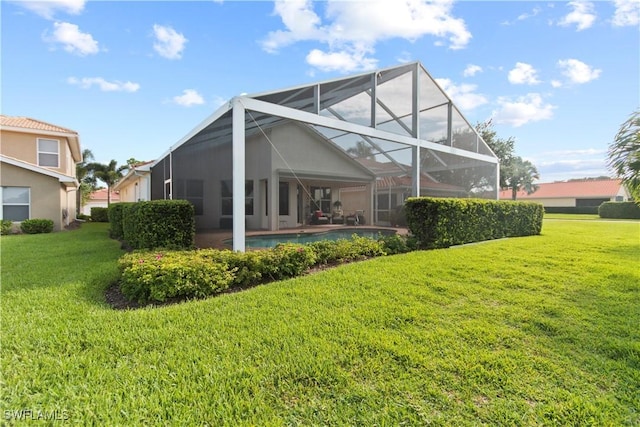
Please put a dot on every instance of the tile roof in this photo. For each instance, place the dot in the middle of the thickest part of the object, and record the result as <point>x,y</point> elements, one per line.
<point>588,188</point>
<point>102,195</point>
<point>29,123</point>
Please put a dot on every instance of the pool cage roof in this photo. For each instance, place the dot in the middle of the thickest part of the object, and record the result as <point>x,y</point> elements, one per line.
<point>395,116</point>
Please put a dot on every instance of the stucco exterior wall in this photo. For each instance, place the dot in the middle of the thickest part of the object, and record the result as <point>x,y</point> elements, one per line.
<point>48,197</point>
<point>24,146</point>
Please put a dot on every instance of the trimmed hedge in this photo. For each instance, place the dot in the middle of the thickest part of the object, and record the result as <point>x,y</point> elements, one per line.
<point>115,214</point>
<point>99,214</point>
<point>619,210</point>
<point>443,222</point>
<point>158,224</point>
<point>36,226</point>
<point>6,227</point>
<point>582,210</point>
<point>155,276</point>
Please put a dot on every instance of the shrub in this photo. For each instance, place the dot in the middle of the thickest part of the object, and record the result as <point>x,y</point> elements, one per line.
<point>288,260</point>
<point>577,210</point>
<point>99,214</point>
<point>83,217</point>
<point>115,214</point>
<point>159,224</point>
<point>345,250</point>
<point>619,210</point>
<point>6,227</point>
<point>443,222</point>
<point>156,276</point>
<point>36,226</point>
<point>397,244</point>
<point>248,267</point>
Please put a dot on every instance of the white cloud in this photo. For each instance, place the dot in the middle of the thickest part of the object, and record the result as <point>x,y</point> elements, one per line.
<point>340,61</point>
<point>463,95</point>
<point>582,15</point>
<point>189,98</point>
<point>525,109</point>
<point>577,71</point>
<point>73,40</point>
<point>524,16</point>
<point>352,29</point>
<point>523,73</point>
<point>104,85</point>
<point>48,8</point>
<point>627,13</point>
<point>471,70</point>
<point>169,43</point>
<point>556,83</point>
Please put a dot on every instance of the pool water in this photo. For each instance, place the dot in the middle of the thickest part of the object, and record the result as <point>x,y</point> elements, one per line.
<point>271,240</point>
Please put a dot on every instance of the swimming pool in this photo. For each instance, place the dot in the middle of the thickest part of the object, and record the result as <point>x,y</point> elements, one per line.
<point>270,240</point>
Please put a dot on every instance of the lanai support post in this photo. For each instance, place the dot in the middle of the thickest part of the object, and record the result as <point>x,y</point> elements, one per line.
<point>238,174</point>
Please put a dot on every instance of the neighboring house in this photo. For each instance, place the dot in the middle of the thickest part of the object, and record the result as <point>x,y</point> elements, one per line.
<point>38,171</point>
<point>98,199</point>
<point>288,153</point>
<point>574,193</point>
<point>135,186</point>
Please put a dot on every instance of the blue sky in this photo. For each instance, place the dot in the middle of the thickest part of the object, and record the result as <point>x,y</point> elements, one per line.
<point>134,77</point>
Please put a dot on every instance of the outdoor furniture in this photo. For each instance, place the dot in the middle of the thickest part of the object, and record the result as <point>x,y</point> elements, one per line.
<point>318,218</point>
<point>356,218</point>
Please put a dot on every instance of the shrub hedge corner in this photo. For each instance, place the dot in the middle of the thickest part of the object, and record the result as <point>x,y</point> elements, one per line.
<point>619,210</point>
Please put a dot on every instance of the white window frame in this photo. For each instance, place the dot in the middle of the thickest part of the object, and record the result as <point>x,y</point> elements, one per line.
<point>57,153</point>
<point>3,204</point>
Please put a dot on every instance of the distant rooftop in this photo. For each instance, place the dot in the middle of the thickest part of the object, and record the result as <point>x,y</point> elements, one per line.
<point>589,188</point>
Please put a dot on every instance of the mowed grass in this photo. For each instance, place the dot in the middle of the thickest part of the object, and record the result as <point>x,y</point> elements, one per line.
<point>538,330</point>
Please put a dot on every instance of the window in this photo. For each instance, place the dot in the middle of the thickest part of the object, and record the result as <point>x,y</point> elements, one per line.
<point>321,199</point>
<point>48,152</point>
<point>227,197</point>
<point>195,195</point>
<point>15,203</point>
<point>284,198</point>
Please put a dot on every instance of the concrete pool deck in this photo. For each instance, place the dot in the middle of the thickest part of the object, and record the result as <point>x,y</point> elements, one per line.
<point>216,238</point>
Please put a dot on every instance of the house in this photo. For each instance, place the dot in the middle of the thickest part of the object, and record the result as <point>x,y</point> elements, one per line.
<point>269,161</point>
<point>98,199</point>
<point>574,193</point>
<point>135,186</point>
<point>38,173</point>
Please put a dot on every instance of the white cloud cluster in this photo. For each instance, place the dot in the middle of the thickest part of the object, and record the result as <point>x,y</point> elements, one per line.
<point>104,85</point>
<point>577,71</point>
<point>351,29</point>
<point>169,43</point>
<point>189,98</point>
<point>582,15</point>
<point>525,109</point>
<point>627,13</point>
<point>472,70</point>
<point>464,95</point>
<point>48,8</point>
<point>73,40</point>
<point>523,73</point>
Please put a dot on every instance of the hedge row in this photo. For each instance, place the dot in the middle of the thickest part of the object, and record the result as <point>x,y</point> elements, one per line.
<point>99,214</point>
<point>36,226</point>
<point>153,224</point>
<point>156,276</point>
<point>619,210</point>
<point>578,210</point>
<point>443,222</point>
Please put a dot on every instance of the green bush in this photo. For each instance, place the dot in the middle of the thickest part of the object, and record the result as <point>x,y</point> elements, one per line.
<point>578,210</point>
<point>99,214</point>
<point>288,260</point>
<point>156,276</point>
<point>158,224</point>
<point>443,222</point>
<point>398,244</point>
<point>619,210</point>
<point>345,250</point>
<point>36,226</point>
<point>115,214</point>
<point>6,227</point>
<point>83,217</point>
<point>248,267</point>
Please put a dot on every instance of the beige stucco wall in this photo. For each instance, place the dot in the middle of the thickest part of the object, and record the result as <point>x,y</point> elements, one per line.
<point>129,192</point>
<point>24,146</point>
<point>48,196</point>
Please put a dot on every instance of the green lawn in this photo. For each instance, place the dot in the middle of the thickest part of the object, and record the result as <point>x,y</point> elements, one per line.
<point>538,330</point>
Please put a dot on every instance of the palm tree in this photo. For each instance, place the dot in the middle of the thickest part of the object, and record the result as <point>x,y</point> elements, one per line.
<point>520,175</point>
<point>84,175</point>
<point>110,174</point>
<point>624,154</point>
<point>362,150</point>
